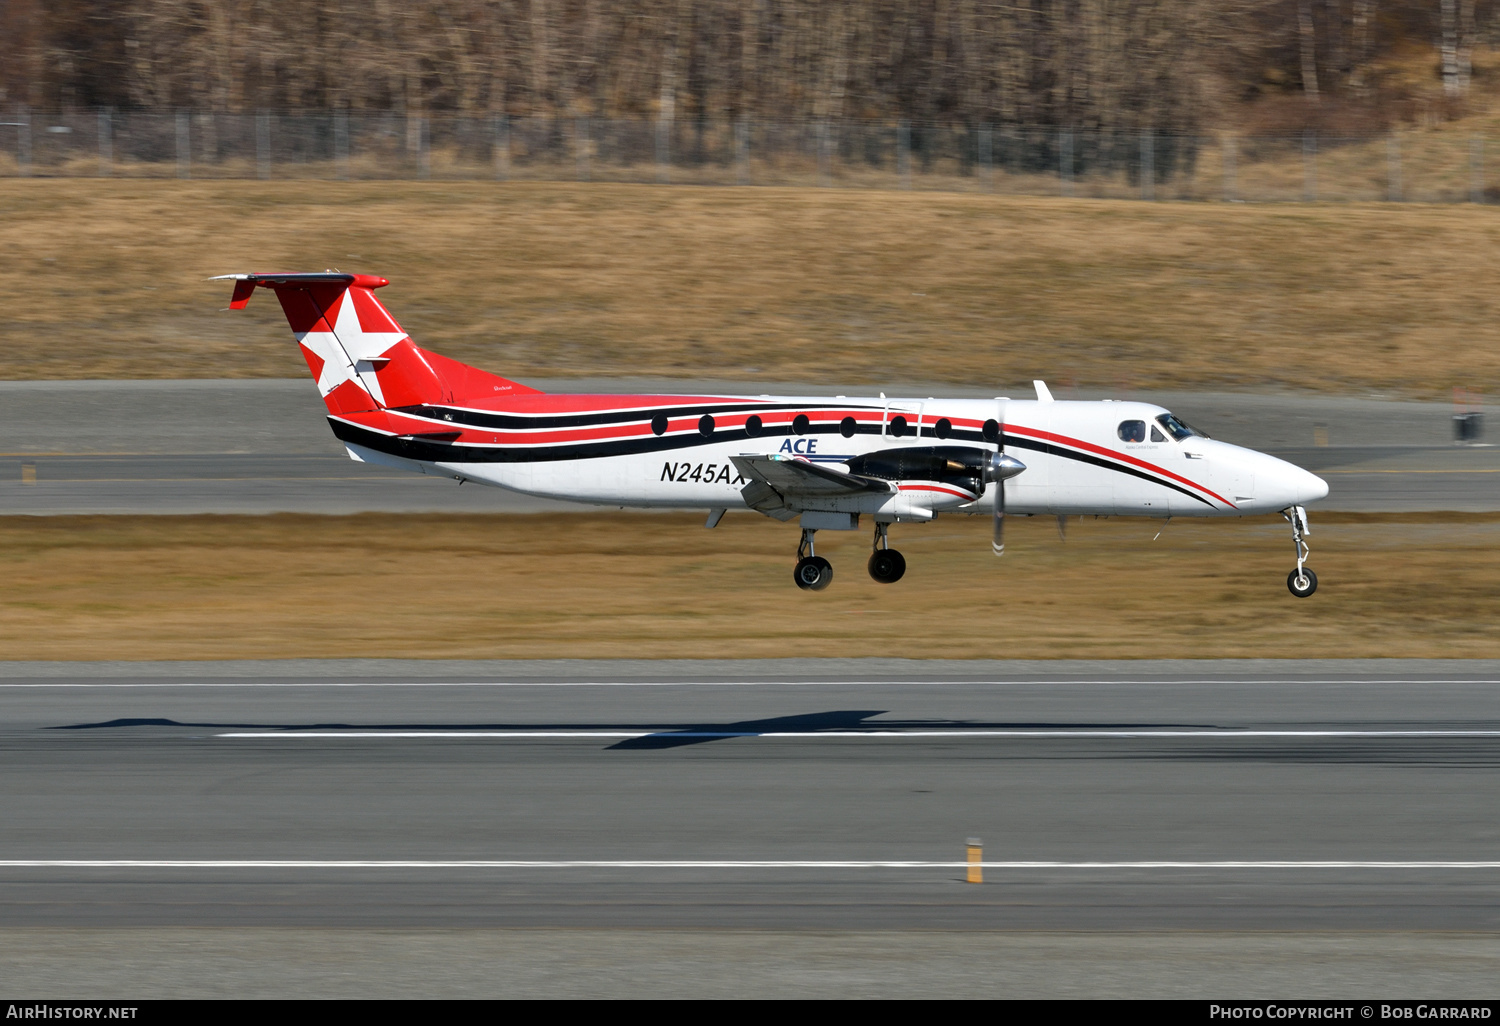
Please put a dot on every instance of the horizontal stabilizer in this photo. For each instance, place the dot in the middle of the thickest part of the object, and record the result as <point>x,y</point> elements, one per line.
<point>244,284</point>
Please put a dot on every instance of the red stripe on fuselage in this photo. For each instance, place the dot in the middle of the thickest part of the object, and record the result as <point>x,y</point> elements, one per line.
<point>938,488</point>
<point>545,404</point>
<point>405,423</point>
<point>1112,454</point>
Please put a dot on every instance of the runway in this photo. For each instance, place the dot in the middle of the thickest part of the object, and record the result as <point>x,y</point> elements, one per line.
<point>234,483</point>
<point>181,447</point>
<point>1361,479</point>
<point>808,796</point>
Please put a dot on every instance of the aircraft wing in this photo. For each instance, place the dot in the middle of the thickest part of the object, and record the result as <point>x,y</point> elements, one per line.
<point>777,483</point>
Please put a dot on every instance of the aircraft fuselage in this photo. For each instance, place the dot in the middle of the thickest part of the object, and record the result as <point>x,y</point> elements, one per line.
<point>1102,458</point>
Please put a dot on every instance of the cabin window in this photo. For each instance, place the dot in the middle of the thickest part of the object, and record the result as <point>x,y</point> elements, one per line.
<point>800,424</point>
<point>1132,431</point>
<point>898,426</point>
<point>991,431</point>
<point>846,427</point>
<point>943,428</point>
<point>706,425</point>
<point>659,424</point>
<point>752,425</point>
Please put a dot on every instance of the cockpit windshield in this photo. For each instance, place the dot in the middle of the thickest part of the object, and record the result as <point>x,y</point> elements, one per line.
<point>1178,429</point>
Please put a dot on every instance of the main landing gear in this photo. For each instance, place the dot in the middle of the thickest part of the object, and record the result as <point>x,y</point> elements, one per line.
<point>813,572</point>
<point>886,564</point>
<point>1301,582</point>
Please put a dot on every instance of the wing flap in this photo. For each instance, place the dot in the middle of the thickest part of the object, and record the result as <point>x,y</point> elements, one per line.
<point>777,483</point>
<point>798,477</point>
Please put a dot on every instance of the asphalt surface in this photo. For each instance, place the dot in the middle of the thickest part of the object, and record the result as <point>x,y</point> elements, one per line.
<point>241,483</point>
<point>1370,479</point>
<point>1404,478</point>
<point>1107,797</point>
<point>755,828</point>
<point>264,446</point>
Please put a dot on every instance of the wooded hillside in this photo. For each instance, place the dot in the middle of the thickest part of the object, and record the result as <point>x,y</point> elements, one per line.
<point>1173,65</point>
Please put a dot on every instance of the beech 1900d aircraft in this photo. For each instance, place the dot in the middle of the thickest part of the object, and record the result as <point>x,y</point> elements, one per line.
<point>826,461</point>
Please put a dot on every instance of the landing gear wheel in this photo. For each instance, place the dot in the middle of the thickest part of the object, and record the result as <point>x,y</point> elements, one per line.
<point>813,573</point>
<point>1302,583</point>
<point>887,565</point>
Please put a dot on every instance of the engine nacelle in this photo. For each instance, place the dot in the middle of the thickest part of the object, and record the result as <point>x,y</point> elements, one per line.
<point>934,476</point>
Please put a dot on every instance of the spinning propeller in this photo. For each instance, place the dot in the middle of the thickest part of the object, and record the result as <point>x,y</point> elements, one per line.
<point>999,468</point>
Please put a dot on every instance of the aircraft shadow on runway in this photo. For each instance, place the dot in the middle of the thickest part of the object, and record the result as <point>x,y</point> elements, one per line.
<point>700,733</point>
<point>662,735</point>
<point>1456,752</point>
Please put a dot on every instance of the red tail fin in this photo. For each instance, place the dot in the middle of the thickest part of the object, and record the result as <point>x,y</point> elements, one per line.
<point>358,354</point>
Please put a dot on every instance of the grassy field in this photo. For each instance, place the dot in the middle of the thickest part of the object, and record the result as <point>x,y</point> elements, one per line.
<point>616,585</point>
<point>104,279</point>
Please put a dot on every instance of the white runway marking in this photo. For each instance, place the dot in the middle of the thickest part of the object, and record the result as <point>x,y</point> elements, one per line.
<point>668,734</point>
<point>714,864</point>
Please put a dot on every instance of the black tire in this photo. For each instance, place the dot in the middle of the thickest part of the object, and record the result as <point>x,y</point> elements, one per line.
<point>813,573</point>
<point>887,566</point>
<point>1309,584</point>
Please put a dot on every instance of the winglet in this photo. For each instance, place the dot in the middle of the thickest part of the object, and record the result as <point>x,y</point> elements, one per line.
<point>1042,394</point>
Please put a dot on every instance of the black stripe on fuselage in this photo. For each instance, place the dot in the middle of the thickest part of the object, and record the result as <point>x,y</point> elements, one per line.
<point>554,421</point>
<point>458,452</point>
<point>1021,442</point>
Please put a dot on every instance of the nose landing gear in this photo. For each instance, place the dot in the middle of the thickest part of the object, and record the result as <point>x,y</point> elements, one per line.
<point>886,564</point>
<point>813,572</point>
<point>1301,582</point>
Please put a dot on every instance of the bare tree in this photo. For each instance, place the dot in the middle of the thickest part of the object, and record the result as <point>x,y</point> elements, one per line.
<point>1448,46</point>
<point>1464,54</point>
<point>1308,47</point>
<point>1112,66</point>
<point>1363,12</point>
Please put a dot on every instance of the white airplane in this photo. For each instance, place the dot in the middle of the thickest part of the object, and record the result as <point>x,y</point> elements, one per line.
<point>824,461</point>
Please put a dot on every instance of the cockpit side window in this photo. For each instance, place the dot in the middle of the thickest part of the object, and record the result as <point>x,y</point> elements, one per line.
<point>1157,436</point>
<point>1178,429</point>
<point>1132,431</point>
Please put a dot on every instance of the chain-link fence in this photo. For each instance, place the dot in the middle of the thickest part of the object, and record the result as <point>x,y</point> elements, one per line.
<point>1424,166</point>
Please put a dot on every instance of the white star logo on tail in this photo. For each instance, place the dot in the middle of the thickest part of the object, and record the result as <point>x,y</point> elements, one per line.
<point>347,344</point>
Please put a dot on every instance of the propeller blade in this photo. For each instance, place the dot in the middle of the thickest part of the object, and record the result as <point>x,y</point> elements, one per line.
<point>997,539</point>
<point>1000,469</point>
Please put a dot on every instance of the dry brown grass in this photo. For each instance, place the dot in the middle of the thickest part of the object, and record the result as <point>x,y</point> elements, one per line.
<point>529,279</point>
<point>612,585</point>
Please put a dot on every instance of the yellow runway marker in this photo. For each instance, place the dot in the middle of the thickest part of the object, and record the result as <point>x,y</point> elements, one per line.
<point>976,861</point>
<point>28,473</point>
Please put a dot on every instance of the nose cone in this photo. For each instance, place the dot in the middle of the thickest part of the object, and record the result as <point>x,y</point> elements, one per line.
<point>1311,488</point>
<point>1275,483</point>
<point>1294,486</point>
